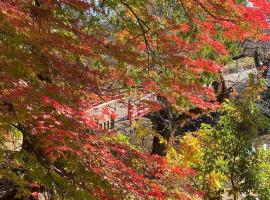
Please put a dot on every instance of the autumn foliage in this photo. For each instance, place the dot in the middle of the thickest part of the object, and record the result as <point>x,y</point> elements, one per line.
<point>60,57</point>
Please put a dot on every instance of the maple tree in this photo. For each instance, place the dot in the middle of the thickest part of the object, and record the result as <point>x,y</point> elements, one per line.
<point>59,57</point>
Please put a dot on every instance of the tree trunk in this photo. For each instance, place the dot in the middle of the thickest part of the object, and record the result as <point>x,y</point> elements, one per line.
<point>160,147</point>
<point>164,121</point>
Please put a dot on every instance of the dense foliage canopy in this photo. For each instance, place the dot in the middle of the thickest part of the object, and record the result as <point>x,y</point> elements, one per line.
<point>60,57</point>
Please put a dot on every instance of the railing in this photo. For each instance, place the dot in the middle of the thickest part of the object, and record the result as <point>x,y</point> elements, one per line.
<point>132,110</point>
<point>107,125</point>
<point>139,108</point>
